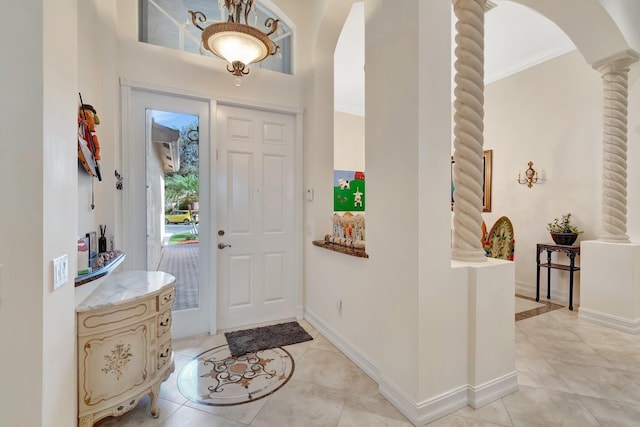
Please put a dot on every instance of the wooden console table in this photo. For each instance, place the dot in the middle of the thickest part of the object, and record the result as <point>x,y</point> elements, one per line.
<point>124,344</point>
<point>571,251</point>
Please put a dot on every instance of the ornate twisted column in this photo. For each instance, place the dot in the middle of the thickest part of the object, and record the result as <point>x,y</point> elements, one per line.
<point>615,73</point>
<point>468,130</point>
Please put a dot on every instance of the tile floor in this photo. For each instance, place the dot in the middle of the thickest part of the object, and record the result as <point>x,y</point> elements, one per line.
<point>571,373</point>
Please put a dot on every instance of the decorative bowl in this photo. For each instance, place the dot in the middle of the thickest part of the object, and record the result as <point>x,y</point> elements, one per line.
<point>566,239</point>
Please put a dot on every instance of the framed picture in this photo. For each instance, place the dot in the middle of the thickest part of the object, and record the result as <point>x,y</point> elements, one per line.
<point>348,191</point>
<point>93,244</point>
<point>487,165</point>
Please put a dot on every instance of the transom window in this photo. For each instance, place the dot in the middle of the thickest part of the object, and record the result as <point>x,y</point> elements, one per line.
<point>166,23</point>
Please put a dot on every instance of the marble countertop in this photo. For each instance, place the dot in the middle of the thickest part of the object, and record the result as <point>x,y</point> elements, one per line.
<point>125,286</point>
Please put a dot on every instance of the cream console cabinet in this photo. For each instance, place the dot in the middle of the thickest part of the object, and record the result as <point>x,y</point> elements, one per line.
<point>124,344</point>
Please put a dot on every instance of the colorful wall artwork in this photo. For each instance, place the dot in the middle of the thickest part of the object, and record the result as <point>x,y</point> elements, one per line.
<point>348,191</point>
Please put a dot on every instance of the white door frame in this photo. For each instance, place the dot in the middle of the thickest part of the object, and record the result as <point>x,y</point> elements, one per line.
<point>190,321</point>
<point>127,87</point>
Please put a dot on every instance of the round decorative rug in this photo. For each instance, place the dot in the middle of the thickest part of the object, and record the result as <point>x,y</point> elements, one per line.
<point>218,379</point>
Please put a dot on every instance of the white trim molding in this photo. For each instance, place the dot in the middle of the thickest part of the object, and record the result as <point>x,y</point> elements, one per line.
<point>419,413</point>
<point>608,320</point>
<point>492,390</point>
<point>353,353</point>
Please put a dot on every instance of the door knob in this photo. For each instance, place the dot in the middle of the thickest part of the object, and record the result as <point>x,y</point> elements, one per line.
<point>222,245</point>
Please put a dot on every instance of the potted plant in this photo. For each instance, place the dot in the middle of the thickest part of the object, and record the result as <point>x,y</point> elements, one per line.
<point>563,232</point>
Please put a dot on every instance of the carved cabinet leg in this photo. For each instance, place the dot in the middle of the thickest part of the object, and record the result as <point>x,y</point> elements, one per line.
<point>86,421</point>
<point>155,392</point>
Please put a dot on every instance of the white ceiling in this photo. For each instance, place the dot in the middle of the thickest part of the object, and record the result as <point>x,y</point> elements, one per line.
<point>516,38</point>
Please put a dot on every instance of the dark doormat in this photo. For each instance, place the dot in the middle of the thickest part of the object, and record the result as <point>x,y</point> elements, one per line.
<point>265,337</point>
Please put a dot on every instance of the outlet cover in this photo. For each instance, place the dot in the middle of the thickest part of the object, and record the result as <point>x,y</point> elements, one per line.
<point>60,271</point>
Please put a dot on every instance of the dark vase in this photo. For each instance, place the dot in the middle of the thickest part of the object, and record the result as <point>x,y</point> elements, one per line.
<point>564,238</point>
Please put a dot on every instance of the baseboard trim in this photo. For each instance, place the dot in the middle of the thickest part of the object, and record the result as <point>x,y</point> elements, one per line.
<point>493,390</point>
<point>427,411</point>
<point>610,321</point>
<point>419,413</point>
<point>557,296</point>
<point>525,289</point>
<point>353,353</point>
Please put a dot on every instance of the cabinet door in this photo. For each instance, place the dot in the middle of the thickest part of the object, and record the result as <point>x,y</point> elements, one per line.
<point>112,364</point>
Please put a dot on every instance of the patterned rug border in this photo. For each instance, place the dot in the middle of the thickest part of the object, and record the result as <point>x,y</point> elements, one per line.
<point>201,402</point>
<point>548,306</point>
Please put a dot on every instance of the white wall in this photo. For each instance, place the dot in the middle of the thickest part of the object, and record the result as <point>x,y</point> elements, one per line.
<point>551,114</point>
<point>38,122</point>
<point>21,307</point>
<point>406,282</point>
<point>633,144</point>
<point>97,69</point>
<point>348,142</point>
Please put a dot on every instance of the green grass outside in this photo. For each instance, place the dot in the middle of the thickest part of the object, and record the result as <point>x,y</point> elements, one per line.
<point>182,237</point>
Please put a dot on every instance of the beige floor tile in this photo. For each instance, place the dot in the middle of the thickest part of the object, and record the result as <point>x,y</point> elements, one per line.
<point>542,380</point>
<point>494,412</point>
<point>524,348</point>
<point>244,413</point>
<point>197,344</point>
<point>325,368</point>
<point>533,407</point>
<point>363,385</point>
<point>190,417</point>
<point>169,389</point>
<point>634,376</point>
<point>571,372</point>
<point>569,351</point>
<point>321,343</point>
<point>297,350</point>
<point>522,304</point>
<point>458,421</point>
<point>534,364</point>
<point>596,335</point>
<point>307,327</point>
<point>622,357</point>
<point>140,415</point>
<point>301,404</point>
<point>596,381</point>
<point>541,328</point>
<point>613,414</point>
<point>370,412</point>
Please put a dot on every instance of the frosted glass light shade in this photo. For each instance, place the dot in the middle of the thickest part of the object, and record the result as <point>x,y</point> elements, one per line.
<point>234,46</point>
<point>237,42</point>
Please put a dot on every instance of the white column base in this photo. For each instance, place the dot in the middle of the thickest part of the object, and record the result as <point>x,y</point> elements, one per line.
<point>610,284</point>
<point>492,373</point>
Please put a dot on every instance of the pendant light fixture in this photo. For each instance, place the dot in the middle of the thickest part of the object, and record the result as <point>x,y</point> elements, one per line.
<point>237,42</point>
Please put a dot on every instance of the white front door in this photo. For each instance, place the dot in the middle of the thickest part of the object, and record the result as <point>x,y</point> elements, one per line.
<point>255,217</point>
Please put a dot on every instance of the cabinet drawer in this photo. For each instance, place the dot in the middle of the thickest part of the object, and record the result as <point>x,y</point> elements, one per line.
<point>164,323</point>
<point>115,317</point>
<point>165,299</point>
<point>164,353</point>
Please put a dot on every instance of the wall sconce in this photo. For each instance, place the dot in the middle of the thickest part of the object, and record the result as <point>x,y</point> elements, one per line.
<point>530,176</point>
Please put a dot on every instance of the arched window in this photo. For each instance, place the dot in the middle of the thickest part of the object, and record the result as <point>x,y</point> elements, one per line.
<point>166,23</point>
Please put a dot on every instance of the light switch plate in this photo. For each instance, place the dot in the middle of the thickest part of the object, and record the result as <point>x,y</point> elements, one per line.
<point>60,271</point>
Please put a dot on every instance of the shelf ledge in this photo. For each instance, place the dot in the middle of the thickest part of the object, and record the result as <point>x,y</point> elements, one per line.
<point>360,253</point>
<point>102,271</point>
